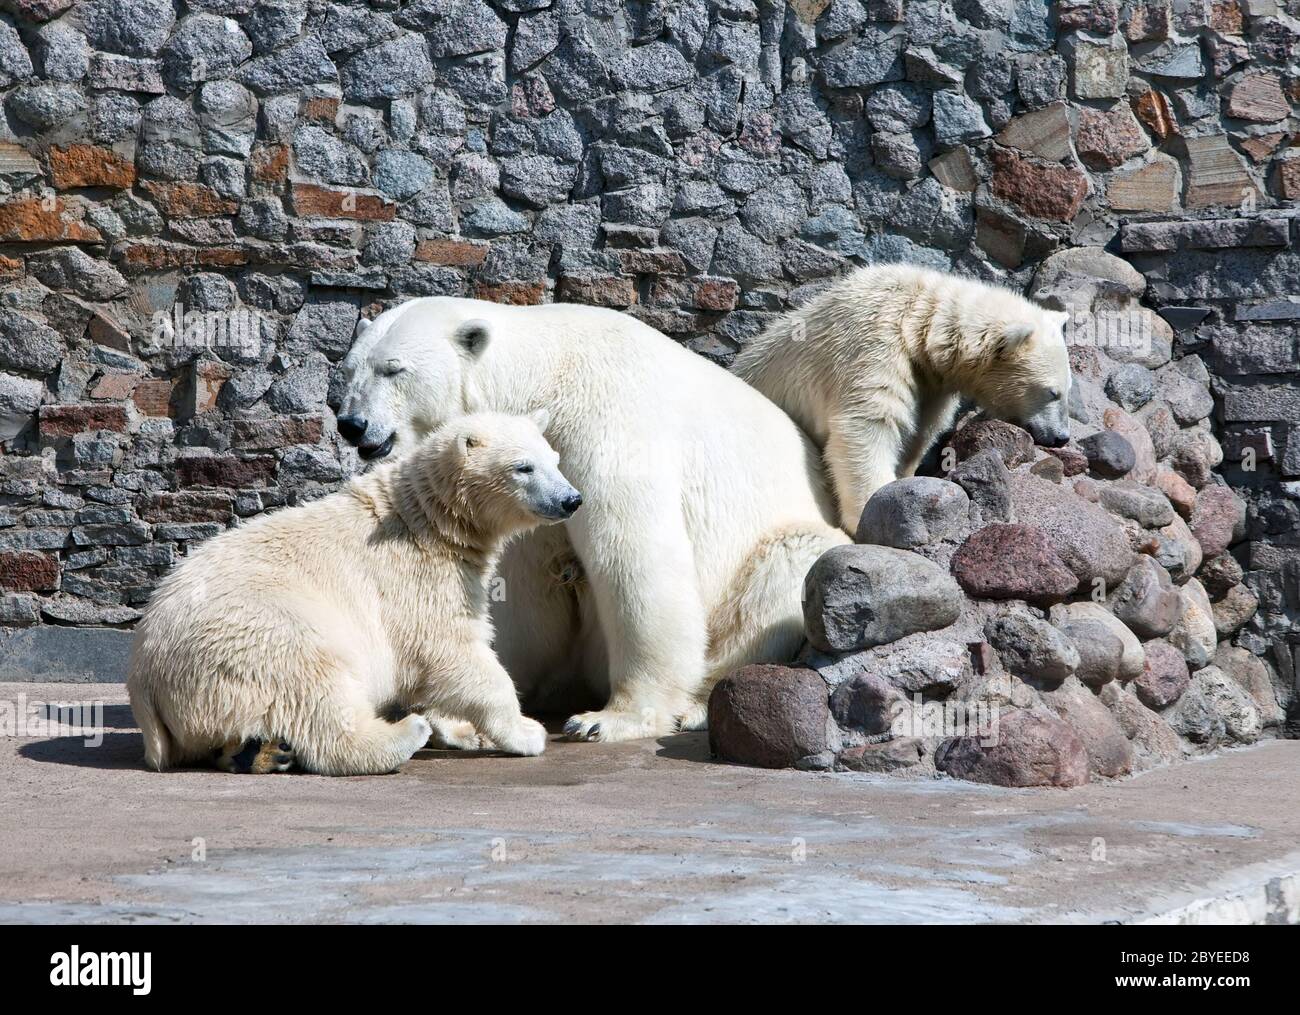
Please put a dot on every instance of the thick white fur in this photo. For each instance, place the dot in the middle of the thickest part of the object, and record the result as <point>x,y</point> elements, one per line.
<point>307,623</point>
<point>705,504</point>
<point>874,369</point>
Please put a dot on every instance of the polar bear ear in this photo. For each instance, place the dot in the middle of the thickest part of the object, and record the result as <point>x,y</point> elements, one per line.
<point>542,418</point>
<point>363,326</point>
<point>1014,336</point>
<point>472,338</point>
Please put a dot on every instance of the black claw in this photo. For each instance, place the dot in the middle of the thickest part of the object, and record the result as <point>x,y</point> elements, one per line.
<point>571,727</point>
<point>593,732</point>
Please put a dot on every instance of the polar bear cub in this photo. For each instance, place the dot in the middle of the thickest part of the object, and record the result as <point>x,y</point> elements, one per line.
<point>874,369</point>
<point>307,626</point>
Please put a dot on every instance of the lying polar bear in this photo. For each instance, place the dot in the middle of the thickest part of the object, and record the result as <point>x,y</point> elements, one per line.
<point>873,369</point>
<point>309,624</point>
<point>705,503</point>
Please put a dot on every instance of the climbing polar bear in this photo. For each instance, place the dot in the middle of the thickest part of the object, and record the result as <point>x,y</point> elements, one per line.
<point>705,505</point>
<point>874,368</point>
<point>304,628</point>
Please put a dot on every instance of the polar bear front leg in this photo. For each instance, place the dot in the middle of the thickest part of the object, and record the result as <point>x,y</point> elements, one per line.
<point>861,455</point>
<point>642,574</point>
<point>481,692</point>
<point>935,418</point>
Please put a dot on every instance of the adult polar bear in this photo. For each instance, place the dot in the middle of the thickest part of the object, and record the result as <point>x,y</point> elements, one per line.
<point>704,508</point>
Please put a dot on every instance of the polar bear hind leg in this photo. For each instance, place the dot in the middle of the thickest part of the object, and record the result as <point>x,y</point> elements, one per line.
<point>254,756</point>
<point>347,737</point>
<point>762,620</point>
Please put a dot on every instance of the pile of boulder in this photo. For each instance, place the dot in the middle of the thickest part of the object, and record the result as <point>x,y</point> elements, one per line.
<point>1033,616</point>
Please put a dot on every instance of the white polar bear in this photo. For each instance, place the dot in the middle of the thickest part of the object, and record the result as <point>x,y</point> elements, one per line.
<point>874,368</point>
<point>305,627</point>
<point>705,504</point>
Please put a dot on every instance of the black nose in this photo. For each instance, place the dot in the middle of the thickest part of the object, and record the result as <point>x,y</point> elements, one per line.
<point>1059,441</point>
<point>571,503</point>
<point>352,428</point>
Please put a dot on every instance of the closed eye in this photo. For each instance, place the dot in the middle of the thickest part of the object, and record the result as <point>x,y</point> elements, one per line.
<point>524,469</point>
<point>391,368</point>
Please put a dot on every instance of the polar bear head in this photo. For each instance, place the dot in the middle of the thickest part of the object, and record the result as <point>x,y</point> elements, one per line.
<point>407,373</point>
<point>500,470</point>
<point>1025,375</point>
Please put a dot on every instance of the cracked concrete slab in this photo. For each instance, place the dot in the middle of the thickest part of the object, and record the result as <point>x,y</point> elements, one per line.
<point>648,832</point>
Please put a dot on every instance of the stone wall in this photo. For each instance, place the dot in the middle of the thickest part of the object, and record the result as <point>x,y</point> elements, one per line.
<point>198,200</point>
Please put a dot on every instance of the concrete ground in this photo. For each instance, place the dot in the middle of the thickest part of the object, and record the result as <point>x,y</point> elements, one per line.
<point>648,832</point>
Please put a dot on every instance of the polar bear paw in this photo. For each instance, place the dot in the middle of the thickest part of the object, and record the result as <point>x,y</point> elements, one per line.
<point>415,733</point>
<point>454,735</point>
<point>527,739</point>
<point>694,718</point>
<point>611,726</point>
<point>254,756</point>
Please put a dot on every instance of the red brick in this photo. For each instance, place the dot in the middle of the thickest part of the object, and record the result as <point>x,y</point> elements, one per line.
<point>270,163</point>
<point>278,432</point>
<point>1147,22</point>
<point>1225,17</point>
<point>28,571</point>
<point>189,507</point>
<point>319,108</point>
<point>1286,180</point>
<point>601,291</point>
<point>115,387</point>
<point>38,220</point>
<point>189,200</point>
<point>326,202</point>
<point>226,471</point>
<point>1257,97</point>
<point>58,421</point>
<point>153,396</point>
<point>514,293</point>
<point>716,294</point>
<point>107,330</point>
<point>86,165</point>
<point>652,262</point>
<point>1152,109</point>
<point>1108,139</point>
<point>1261,146</point>
<point>154,256</point>
<point>1046,191</point>
<point>1100,16</point>
<point>453,253</point>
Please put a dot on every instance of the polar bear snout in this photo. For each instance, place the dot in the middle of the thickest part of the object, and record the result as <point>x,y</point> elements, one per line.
<point>571,504</point>
<point>354,430</point>
<point>559,505</point>
<point>1050,426</point>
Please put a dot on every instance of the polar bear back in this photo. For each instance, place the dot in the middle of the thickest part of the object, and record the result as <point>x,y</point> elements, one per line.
<point>630,408</point>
